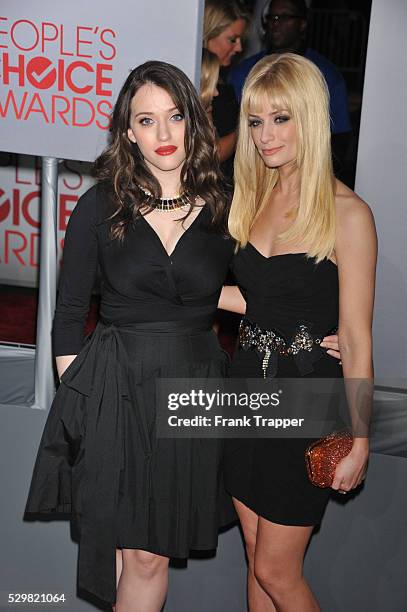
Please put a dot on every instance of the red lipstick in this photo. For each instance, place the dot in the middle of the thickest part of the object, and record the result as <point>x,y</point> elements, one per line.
<point>166,150</point>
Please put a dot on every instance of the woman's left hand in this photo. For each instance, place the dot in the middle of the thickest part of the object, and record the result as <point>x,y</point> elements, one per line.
<point>350,471</point>
<point>331,343</point>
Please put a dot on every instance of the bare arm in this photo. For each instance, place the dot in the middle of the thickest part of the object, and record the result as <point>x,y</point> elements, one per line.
<point>232,300</point>
<point>356,253</point>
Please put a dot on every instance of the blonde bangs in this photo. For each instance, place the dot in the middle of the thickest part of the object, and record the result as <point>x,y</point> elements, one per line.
<point>291,83</point>
<point>266,91</point>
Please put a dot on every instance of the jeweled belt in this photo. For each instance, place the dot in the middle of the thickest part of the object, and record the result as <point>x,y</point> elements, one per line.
<point>304,346</point>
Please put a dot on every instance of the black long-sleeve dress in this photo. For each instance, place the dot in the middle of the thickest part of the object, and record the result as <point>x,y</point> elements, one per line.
<point>99,458</point>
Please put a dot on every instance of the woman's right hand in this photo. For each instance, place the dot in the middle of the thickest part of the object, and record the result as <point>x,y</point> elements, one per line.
<point>63,362</point>
<point>332,344</point>
<point>351,470</point>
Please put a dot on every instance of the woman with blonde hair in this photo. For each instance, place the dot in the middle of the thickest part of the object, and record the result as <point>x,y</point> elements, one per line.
<point>224,26</point>
<point>209,79</point>
<point>306,264</point>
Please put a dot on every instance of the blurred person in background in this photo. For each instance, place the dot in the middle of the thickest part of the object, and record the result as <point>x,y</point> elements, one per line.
<point>284,23</point>
<point>224,27</point>
<point>208,88</point>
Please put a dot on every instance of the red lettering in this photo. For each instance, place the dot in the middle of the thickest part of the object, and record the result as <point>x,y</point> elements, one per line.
<point>46,38</point>
<point>3,32</point>
<point>64,212</point>
<point>16,206</point>
<point>41,73</point>
<point>75,121</point>
<point>34,250</point>
<point>106,125</point>
<point>61,75</point>
<point>101,80</point>
<point>11,99</point>
<point>61,46</point>
<point>7,69</point>
<point>68,76</point>
<point>4,207</point>
<point>60,112</point>
<point>25,210</point>
<point>34,29</point>
<point>15,250</point>
<point>31,109</point>
<point>108,44</point>
<point>80,41</point>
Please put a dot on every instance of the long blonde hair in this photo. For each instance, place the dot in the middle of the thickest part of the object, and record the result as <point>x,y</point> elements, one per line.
<point>209,77</point>
<point>220,14</point>
<point>290,82</point>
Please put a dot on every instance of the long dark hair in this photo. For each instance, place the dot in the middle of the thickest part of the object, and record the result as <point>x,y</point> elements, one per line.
<point>121,166</point>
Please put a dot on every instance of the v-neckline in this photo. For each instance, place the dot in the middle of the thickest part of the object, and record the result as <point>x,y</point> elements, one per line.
<point>170,255</point>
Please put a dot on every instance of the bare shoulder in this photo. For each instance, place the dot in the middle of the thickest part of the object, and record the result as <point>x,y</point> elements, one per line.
<point>351,211</point>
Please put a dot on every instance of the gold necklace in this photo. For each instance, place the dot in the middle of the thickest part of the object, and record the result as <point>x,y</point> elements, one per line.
<point>166,204</point>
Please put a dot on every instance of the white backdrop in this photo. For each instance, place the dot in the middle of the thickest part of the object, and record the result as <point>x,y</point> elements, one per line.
<point>381,180</point>
<point>61,67</point>
<point>63,63</point>
<point>20,183</point>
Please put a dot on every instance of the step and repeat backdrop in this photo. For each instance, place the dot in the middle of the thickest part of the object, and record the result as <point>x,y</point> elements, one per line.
<point>20,182</point>
<point>62,65</point>
<point>61,68</point>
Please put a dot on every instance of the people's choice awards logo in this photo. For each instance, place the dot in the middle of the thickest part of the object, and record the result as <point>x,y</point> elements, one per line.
<point>4,206</point>
<point>56,74</point>
<point>20,210</point>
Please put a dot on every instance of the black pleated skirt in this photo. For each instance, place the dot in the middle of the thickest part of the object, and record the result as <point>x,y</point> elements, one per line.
<point>100,460</point>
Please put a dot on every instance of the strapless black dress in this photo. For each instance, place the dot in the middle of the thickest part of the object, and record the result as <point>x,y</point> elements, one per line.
<point>284,291</point>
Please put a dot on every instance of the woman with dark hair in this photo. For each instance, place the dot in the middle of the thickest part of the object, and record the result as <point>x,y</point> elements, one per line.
<point>155,224</point>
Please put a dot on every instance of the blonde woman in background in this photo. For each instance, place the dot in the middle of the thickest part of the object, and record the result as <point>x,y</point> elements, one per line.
<point>209,79</point>
<point>224,27</point>
<point>306,264</point>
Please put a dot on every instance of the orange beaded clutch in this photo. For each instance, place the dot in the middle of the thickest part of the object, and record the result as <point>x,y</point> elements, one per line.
<point>322,457</point>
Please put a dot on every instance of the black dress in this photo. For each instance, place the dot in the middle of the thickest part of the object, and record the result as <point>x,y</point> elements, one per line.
<point>225,112</point>
<point>99,458</point>
<point>284,291</point>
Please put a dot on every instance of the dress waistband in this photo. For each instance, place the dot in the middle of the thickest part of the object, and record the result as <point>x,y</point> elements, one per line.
<point>182,326</point>
<point>270,345</point>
